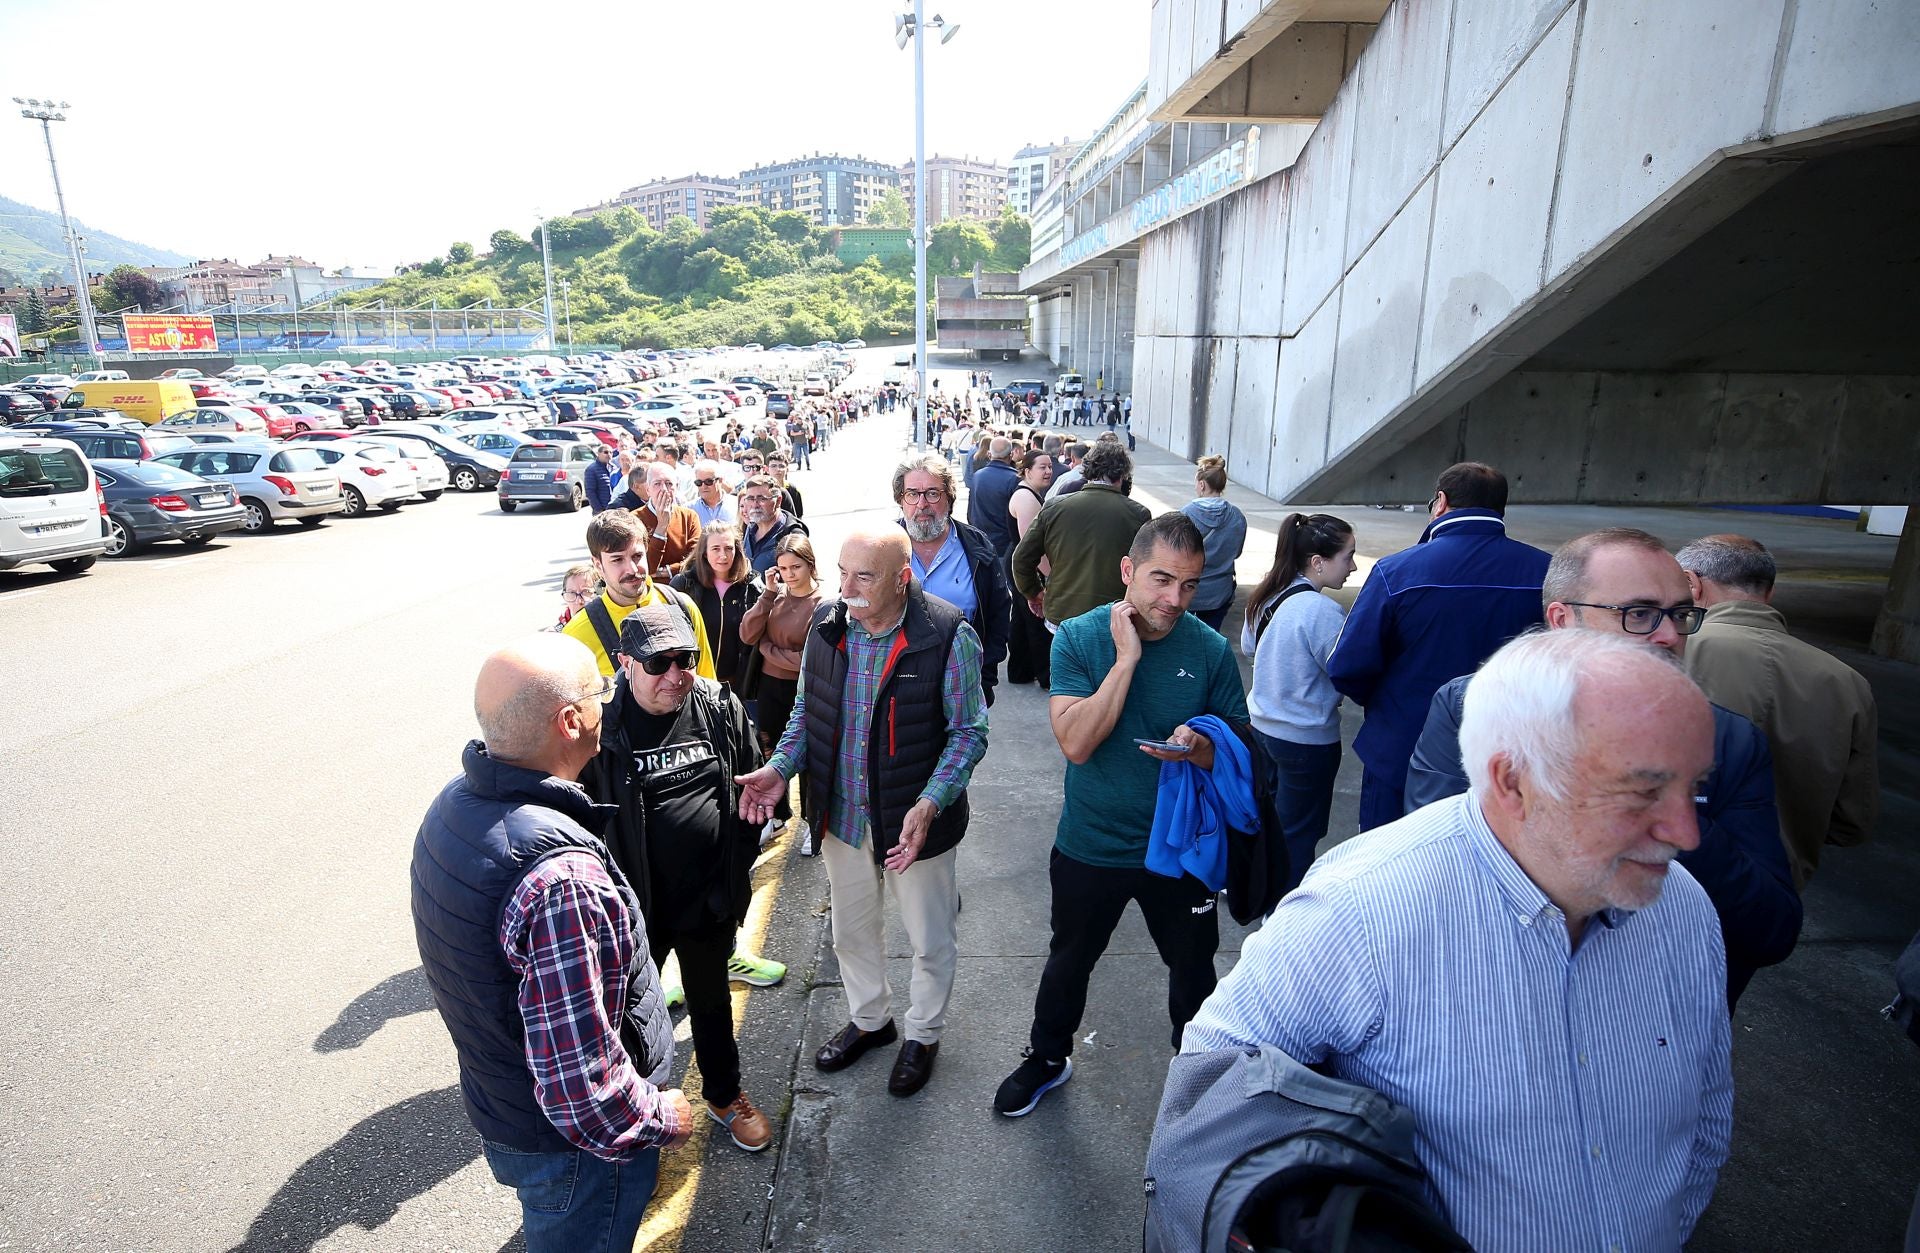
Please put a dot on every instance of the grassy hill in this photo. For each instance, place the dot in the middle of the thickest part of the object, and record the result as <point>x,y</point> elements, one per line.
<point>751,276</point>
<point>30,242</point>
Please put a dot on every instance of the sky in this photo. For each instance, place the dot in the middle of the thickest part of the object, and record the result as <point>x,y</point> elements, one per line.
<point>447,121</point>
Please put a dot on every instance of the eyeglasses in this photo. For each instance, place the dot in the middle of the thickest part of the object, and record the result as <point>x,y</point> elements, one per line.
<point>1646,619</point>
<point>567,593</point>
<point>705,482</point>
<point>598,694</point>
<point>928,494</point>
<point>659,663</point>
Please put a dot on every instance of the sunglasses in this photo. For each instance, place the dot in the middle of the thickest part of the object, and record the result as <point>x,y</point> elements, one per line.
<point>659,663</point>
<point>705,482</point>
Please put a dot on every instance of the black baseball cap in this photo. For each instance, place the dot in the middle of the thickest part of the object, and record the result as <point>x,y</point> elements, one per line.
<point>653,629</point>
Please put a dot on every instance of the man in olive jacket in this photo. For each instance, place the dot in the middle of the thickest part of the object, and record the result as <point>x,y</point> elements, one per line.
<point>1083,537</point>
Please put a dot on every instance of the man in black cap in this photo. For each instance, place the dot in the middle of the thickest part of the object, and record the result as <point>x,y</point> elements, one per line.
<point>671,744</point>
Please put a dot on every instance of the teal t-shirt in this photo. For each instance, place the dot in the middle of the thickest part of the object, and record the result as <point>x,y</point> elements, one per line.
<point>1108,811</point>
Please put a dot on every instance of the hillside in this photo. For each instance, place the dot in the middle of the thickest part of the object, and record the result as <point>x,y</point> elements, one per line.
<point>753,275</point>
<point>30,242</point>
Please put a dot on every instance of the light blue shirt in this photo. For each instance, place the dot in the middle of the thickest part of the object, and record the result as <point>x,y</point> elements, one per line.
<point>725,511</point>
<point>950,577</point>
<point>1566,1099</point>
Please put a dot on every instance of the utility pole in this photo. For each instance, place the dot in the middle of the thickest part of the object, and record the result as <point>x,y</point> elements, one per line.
<point>914,26</point>
<point>566,303</point>
<point>46,112</point>
<point>546,264</point>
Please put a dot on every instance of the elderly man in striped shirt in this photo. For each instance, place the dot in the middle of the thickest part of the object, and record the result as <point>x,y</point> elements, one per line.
<point>1525,967</point>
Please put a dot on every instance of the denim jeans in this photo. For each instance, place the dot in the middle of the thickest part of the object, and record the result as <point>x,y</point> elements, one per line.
<point>1303,793</point>
<point>574,1202</point>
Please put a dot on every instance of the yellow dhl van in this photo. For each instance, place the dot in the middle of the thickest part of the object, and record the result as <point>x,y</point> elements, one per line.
<point>149,400</point>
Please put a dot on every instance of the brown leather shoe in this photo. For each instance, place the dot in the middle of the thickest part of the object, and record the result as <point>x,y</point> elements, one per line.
<point>747,1126</point>
<point>846,1048</point>
<point>912,1068</point>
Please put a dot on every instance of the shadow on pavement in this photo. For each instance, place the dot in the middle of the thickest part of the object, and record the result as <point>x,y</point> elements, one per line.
<point>393,997</point>
<point>364,1177</point>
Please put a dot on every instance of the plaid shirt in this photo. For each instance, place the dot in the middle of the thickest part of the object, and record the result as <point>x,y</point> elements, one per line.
<point>850,810</point>
<point>569,937</point>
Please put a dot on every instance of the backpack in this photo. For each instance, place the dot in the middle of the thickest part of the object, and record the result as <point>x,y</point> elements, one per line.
<point>1253,1152</point>
<point>1273,606</point>
<point>609,634</point>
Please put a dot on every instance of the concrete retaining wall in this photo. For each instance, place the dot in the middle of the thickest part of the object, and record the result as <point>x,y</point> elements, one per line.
<point>1491,172</point>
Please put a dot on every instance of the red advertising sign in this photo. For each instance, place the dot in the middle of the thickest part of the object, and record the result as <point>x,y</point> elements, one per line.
<point>170,332</point>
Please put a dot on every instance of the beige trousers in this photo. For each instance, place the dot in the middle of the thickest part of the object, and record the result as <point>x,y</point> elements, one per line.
<point>929,900</point>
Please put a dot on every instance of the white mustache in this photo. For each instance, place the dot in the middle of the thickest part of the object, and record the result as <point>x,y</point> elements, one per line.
<point>857,602</point>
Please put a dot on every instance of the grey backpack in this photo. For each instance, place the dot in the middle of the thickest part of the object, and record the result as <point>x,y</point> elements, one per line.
<point>1254,1152</point>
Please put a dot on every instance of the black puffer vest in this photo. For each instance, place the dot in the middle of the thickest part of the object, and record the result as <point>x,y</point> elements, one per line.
<point>909,719</point>
<point>483,834</point>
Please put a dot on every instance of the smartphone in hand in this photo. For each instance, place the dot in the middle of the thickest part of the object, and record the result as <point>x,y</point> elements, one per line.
<point>1166,746</point>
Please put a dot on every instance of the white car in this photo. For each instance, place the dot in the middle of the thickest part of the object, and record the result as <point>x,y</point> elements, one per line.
<point>370,475</point>
<point>103,376</point>
<point>46,380</point>
<point>224,413</point>
<point>293,370</point>
<point>274,481</point>
<point>816,385</point>
<point>431,475</point>
<point>50,505</point>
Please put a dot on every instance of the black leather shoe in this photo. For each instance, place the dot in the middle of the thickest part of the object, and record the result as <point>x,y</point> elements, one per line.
<point>846,1048</point>
<point>912,1068</point>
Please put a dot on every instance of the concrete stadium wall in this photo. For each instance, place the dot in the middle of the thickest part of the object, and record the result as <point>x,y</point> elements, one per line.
<point>1490,173</point>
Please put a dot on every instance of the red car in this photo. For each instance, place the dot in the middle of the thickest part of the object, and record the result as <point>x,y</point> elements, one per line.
<point>607,435</point>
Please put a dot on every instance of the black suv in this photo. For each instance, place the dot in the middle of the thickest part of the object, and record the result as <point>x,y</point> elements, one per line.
<point>18,406</point>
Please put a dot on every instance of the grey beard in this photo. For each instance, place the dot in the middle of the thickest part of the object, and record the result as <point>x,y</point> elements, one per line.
<point>926,532</point>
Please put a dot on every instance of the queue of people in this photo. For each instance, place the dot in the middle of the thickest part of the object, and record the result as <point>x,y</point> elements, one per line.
<point>1548,793</point>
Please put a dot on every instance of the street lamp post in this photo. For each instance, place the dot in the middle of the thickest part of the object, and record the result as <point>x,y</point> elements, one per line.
<point>566,304</point>
<point>46,112</point>
<point>546,265</point>
<point>905,27</point>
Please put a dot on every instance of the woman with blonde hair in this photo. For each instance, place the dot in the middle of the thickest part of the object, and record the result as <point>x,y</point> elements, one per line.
<point>1224,528</point>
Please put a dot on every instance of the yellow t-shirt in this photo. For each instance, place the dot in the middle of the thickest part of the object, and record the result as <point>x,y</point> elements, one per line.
<point>580,627</point>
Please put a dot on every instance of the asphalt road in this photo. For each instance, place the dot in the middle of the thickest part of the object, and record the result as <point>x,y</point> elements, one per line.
<point>217,1036</point>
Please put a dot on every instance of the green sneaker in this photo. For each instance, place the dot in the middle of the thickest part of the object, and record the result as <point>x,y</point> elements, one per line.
<point>758,972</point>
<point>676,996</point>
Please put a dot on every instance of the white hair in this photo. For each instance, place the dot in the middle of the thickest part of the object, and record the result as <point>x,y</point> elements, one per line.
<point>1519,705</point>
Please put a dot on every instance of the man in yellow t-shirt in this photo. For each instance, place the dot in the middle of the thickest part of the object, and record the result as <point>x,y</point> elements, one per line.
<point>617,545</point>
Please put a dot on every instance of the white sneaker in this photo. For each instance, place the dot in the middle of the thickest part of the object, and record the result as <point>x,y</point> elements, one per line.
<point>806,839</point>
<point>771,832</point>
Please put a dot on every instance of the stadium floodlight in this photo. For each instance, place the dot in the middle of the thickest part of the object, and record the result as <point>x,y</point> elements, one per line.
<point>905,26</point>
<point>46,112</point>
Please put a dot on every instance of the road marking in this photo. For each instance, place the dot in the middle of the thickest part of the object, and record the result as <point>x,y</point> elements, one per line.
<point>22,593</point>
<point>678,1186</point>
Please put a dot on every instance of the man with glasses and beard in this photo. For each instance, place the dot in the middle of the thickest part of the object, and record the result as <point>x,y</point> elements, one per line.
<point>671,745</point>
<point>953,560</point>
<point>1623,582</point>
<point>763,523</point>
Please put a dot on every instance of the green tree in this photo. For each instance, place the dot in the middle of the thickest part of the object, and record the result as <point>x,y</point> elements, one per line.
<point>506,244</point>
<point>1012,242</point>
<point>956,244</point>
<point>126,286</point>
<point>8,278</point>
<point>33,313</point>
<point>50,278</point>
<point>791,226</point>
<point>890,210</point>
<point>433,267</point>
<point>461,253</point>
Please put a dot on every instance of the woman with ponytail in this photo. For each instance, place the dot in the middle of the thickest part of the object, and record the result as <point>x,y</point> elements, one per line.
<point>1289,632</point>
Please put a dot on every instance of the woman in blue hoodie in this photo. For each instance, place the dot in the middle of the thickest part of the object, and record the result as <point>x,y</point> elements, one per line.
<point>1289,632</point>
<point>1224,528</point>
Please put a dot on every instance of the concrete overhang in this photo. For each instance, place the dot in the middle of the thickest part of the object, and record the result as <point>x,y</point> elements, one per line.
<point>1284,64</point>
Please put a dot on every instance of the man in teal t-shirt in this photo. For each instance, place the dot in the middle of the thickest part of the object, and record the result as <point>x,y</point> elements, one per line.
<point>1138,669</point>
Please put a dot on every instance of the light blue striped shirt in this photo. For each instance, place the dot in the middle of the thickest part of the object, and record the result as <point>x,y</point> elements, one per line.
<point>1563,1099</point>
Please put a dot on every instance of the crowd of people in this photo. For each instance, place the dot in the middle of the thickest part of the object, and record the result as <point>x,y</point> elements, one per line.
<point>1595,783</point>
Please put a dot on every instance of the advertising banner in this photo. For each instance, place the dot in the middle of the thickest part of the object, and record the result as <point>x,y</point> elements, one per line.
<point>170,332</point>
<point>9,337</point>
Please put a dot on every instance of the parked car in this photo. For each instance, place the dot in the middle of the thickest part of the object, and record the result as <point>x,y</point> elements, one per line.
<point>815,385</point>
<point>112,445</point>
<point>181,372</point>
<point>370,474</point>
<point>19,406</point>
<point>779,404</point>
<point>547,470</point>
<point>147,502</point>
<point>220,417</point>
<point>102,376</point>
<point>306,416</point>
<point>560,435</point>
<point>500,443</point>
<point>469,469</point>
<point>51,509</point>
<point>274,482</point>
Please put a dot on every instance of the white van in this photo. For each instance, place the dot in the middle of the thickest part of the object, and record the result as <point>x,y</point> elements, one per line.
<point>1070,385</point>
<point>51,508</point>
